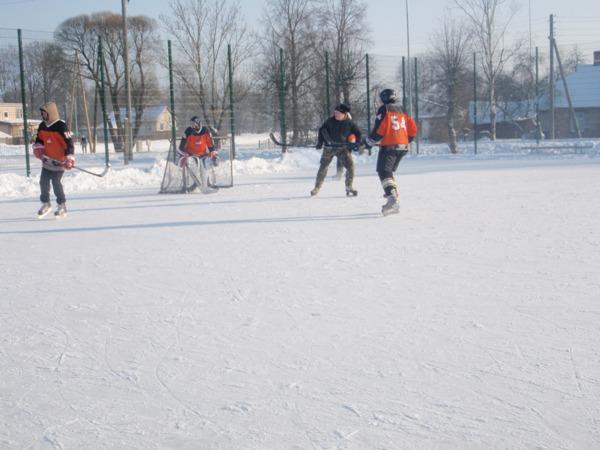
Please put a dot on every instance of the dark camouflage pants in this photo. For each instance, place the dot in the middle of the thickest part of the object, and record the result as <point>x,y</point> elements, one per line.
<point>343,155</point>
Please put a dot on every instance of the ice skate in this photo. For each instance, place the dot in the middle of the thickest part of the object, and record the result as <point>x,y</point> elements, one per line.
<point>44,210</point>
<point>350,192</point>
<point>315,191</point>
<point>391,206</point>
<point>61,211</point>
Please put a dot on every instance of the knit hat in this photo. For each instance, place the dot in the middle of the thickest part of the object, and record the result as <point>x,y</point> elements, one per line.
<point>342,108</point>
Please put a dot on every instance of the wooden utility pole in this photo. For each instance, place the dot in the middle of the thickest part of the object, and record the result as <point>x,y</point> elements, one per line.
<point>562,75</point>
<point>83,98</point>
<point>72,110</point>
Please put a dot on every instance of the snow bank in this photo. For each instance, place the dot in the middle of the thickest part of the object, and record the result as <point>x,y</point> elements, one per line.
<point>147,168</point>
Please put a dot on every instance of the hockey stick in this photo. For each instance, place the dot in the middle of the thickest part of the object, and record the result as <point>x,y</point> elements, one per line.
<point>352,146</point>
<point>99,175</point>
<point>55,162</point>
<point>280,144</point>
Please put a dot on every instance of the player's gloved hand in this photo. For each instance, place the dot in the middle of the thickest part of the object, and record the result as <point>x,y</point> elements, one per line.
<point>213,157</point>
<point>38,150</point>
<point>411,138</point>
<point>367,143</point>
<point>69,162</point>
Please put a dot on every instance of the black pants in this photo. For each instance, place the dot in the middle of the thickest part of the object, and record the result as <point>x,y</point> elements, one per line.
<point>388,161</point>
<point>53,176</point>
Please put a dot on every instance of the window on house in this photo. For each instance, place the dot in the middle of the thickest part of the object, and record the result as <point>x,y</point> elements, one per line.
<point>161,127</point>
<point>5,115</point>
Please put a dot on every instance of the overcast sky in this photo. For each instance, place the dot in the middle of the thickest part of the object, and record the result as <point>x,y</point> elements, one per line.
<point>577,21</point>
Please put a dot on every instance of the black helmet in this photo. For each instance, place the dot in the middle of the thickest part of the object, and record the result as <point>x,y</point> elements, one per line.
<point>196,121</point>
<point>388,96</point>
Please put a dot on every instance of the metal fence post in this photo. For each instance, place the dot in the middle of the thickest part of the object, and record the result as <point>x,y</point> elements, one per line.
<point>172,100</point>
<point>368,96</point>
<point>417,103</point>
<point>24,105</point>
<point>403,84</point>
<point>103,99</point>
<point>538,127</point>
<point>282,102</point>
<point>475,102</point>
<point>231,110</point>
<point>327,88</point>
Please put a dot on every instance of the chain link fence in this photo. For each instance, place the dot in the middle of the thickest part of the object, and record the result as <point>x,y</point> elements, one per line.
<point>238,99</point>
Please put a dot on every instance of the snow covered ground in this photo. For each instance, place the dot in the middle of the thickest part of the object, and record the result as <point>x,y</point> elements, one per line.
<point>260,318</point>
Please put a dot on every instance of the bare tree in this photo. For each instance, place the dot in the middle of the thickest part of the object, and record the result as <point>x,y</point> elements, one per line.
<point>344,25</point>
<point>489,26</point>
<point>9,74</point>
<point>573,58</point>
<point>289,25</point>
<point>449,69</point>
<point>45,74</point>
<point>144,83</point>
<point>81,33</point>
<point>202,30</point>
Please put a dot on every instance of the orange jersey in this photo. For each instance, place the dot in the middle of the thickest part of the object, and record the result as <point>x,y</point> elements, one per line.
<point>56,139</point>
<point>198,144</point>
<point>393,127</point>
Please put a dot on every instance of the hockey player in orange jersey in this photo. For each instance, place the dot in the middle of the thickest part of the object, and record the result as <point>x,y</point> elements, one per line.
<point>393,131</point>
<point>54,147</point>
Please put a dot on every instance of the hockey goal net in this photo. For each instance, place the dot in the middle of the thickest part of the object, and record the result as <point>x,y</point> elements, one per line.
<point>185,178</point>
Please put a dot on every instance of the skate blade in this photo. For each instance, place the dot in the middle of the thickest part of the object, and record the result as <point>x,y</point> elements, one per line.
<point>387,212</point>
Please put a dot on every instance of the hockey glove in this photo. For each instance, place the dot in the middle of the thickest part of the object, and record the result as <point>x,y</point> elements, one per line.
<point>354,147</point>
<point>182,161</point>
<point>69,162</point>
<point>38,150</point>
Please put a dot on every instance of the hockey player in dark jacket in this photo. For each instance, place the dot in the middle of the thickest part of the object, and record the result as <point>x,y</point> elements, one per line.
<point>393,131</point>
<point>54,146</point>
<point>340,130</point>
